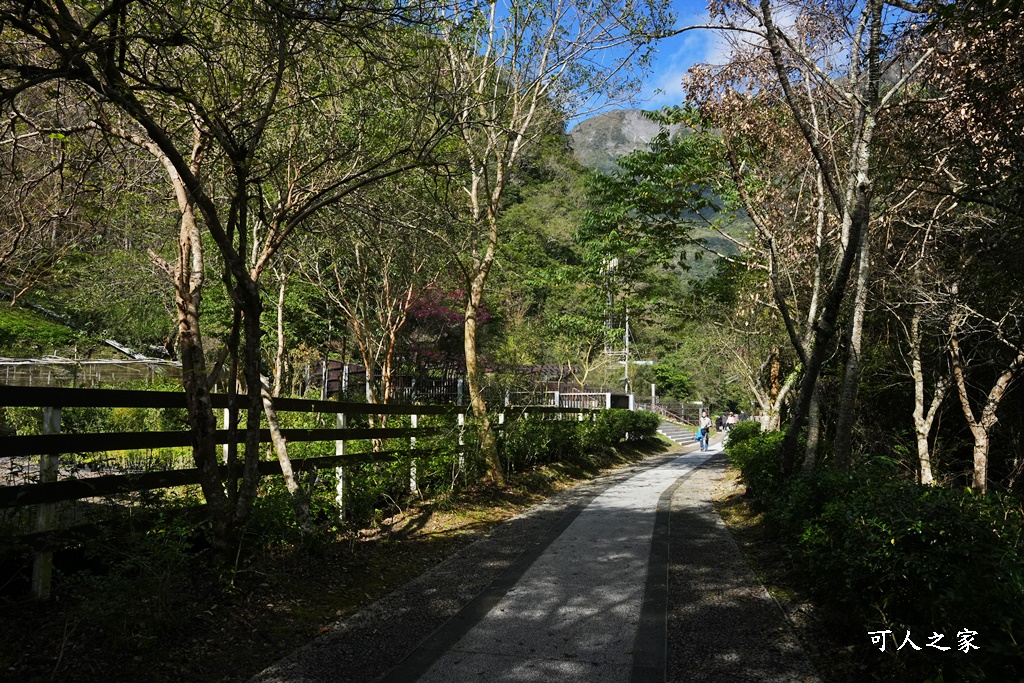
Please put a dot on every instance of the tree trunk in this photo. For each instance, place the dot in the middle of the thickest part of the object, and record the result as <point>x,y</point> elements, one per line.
<point>924,458</point>
<point>231,449</point>
<point>813,429</point>
<point>774,375</point>
<point>202,422</point>
<point>777,403</point>
<point>851,375</point>
<point>279,357</point>
<point>252,307</point>
<point>824,330</point>
<point>854,207</point>
<point>189,278</point>
<point>923,420</point>
<point>488,445</point>
<point>981,427</point>
<point>300,498</point>
<point>980,476</point>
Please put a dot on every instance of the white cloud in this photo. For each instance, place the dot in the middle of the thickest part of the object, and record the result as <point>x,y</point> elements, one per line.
<point>679,53</point>
<point>700,46</point>
<point>675,58</point>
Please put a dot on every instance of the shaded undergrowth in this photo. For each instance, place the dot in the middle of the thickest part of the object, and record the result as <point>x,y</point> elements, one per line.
<point>138,601</point>
<point>867,558</point>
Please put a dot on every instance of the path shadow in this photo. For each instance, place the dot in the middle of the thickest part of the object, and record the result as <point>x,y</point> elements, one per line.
<point>722,624</point>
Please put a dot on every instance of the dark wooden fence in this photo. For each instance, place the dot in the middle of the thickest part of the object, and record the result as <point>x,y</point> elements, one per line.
<point>55,444</point>
<point>51,444</point>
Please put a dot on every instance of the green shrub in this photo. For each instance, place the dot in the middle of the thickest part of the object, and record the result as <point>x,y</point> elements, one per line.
<point>759,459</point>
<point>807,497</point>
<point>441,472</point>
<point>24,420</point>
<point>534,441</point>
<point>896,555</point>
<point>741,431</point>
<point>644,425</point>
<point>617,426</point>
<point>612,426</point>
<point>891,554</point>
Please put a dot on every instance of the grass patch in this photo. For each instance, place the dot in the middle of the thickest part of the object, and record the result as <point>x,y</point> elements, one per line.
<point>24,332</point>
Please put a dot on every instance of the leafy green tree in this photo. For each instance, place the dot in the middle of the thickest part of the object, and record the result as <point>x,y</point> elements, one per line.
<point>373,260</point>
<point>542,298</point>
<point>511,64</point>
<point>646,213</point>
<point>256,132</point>
<point>825,76</point>
<point>661,205</point>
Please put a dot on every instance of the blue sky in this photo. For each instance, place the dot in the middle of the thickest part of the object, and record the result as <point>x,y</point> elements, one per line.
<point>676,55</point>
<point>673,57</point>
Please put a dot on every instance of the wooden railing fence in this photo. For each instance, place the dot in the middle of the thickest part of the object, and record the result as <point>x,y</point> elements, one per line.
<point>49,446</point>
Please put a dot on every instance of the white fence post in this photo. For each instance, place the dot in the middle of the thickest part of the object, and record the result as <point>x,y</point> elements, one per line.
<point>323,378</point>
<point>413,488</point>
<point>462,441</point>
<point>42,566</point>
<point>340,494</point>
<point>608,400</point>
<point>227,425</point>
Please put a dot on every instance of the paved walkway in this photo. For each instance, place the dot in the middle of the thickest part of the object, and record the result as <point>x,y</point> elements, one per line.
<point>632,577</point>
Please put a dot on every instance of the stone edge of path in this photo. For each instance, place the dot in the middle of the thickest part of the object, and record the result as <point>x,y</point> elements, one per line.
<point>370,643</point>
<point>722,623</point>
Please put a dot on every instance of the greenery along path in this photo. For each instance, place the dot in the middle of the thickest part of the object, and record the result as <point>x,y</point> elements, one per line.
<point>575,589</point>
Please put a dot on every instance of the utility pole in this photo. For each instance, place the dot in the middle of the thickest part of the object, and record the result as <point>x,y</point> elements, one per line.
<point>609,322</point>
<point>625,377</point>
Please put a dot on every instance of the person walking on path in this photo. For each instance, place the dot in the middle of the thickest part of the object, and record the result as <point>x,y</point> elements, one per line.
<point>705,430</point>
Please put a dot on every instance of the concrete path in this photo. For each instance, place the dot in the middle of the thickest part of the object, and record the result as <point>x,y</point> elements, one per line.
<point>574,614</point>
<point>722,623</point>
<point>629,578</point>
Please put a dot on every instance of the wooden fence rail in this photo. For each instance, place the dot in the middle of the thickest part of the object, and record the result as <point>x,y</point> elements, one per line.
<point>108,485</point>
<point>52,444</point>
<point>127,398</point>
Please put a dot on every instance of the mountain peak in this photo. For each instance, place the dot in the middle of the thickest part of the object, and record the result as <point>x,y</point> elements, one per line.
<point>600,140</point>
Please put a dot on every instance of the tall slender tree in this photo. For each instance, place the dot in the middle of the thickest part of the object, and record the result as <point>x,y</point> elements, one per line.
<point>835,69</point>
<point>258,132</point>
<point>512,66</point>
